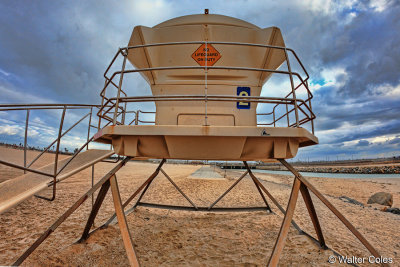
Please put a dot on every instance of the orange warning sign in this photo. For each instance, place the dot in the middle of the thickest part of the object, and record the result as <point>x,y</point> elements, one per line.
<point>200,55</point>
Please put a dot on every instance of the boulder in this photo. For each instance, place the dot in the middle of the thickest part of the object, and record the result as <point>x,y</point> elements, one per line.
<point>381,198</point>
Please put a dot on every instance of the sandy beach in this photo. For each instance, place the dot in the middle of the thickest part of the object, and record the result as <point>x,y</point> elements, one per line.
<point>185,238</point>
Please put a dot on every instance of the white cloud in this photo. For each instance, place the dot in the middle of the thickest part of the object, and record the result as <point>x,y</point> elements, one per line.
<point>150,13</point>
<point>5,73</point>
<point>10,129</point>
<point>387,90</point>
<point>324,6</point>
<point>330,78</point>
<point>379,5</point>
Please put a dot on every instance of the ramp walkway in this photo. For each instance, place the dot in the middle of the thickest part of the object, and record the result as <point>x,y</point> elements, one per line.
<point>205,172</point>
<point>16,190</point>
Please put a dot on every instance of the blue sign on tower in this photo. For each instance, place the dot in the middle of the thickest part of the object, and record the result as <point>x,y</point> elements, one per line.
<point>243,91</point>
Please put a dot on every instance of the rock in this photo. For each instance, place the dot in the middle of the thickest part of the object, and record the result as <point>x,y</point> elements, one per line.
<point>351,201</point>
<point>393,210</point>
<point>381,198</point>
<point>377,206</point>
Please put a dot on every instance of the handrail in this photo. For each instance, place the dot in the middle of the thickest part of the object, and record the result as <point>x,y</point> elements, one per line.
<point>28,106</point>
<point>203,42</point>
<point>298,104</point>
<point>61,133</point>
<point>227,98</point>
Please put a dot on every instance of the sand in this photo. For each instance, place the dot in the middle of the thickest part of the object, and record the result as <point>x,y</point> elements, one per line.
<point>184,238</point>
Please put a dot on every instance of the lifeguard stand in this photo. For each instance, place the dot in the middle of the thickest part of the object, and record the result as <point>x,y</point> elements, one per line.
<point>206,74</point>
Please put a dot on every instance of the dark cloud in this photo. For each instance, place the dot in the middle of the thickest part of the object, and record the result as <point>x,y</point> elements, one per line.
<point>368,48</point>
<point>394,141</point>
<point>58,51</point>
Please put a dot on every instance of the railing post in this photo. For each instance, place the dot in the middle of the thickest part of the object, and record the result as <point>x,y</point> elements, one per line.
<point>206,87</point>
<point>124,114</point>
<point>90,123</point>
<point>26,137</point>
<point>101,107</point>
<point>309,102</point>
<point>287,116</point>
<point>293,90</point>
<point>59,142</point>
<point>137,117</point>
<point>123,52</point>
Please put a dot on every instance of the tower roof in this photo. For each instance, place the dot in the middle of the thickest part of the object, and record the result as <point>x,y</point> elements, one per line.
<point>209,19</point>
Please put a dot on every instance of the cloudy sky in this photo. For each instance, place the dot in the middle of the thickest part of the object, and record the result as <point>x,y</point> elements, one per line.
<point>57,51</point>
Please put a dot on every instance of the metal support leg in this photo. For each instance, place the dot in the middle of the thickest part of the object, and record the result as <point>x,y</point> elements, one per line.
<point>270,196</point>
<point>95,209</point>
<point>313,214</point>
<point>262,195</point>
<point>329,205</point>
<point>149,180</point>
<point>259,190</point>
<point>123,226</point>
<point>66,214</point>
<point>227,191</point>
<point>179,190</point>
<point>280,241</point>
<point>143,192</point>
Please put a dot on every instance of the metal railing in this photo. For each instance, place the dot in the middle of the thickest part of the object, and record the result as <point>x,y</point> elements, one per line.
<point>114,109</point>
<point>27,167</point>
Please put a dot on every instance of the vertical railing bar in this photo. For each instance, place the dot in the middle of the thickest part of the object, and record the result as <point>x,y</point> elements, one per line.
<point>292,84</point>
<point>309,102</point>
<point>26,137</point>
<point>273,116</point>
<point>287,115</point>
<point>102,104</point>
<point>56,158</point>
<point>59,142</point>
<point>123,114</point>
<point>119,88</point>
<point>90,123</point>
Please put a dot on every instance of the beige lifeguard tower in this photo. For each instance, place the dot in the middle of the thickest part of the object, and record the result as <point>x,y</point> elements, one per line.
<point>206,74</point>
